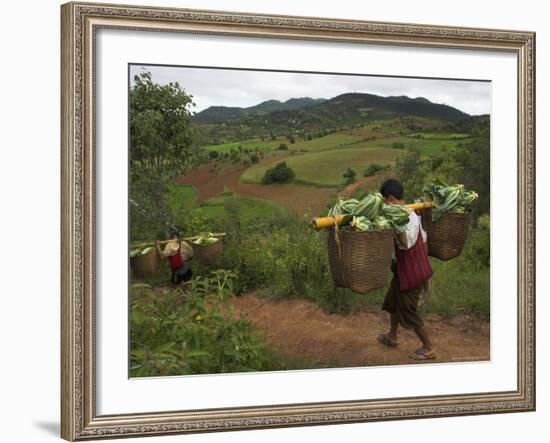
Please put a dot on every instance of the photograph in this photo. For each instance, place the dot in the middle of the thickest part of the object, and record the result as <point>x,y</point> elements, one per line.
<point>271,220</point>
<point>292,220</point>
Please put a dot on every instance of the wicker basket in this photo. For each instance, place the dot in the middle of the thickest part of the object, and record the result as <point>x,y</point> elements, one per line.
<point>208,255</point>
<point>363,260</point>
<point>144,266</point>
<point>447,235</point>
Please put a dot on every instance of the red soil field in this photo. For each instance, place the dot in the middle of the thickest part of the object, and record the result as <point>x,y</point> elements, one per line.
<point>297,198</point>
<point>300,199</point>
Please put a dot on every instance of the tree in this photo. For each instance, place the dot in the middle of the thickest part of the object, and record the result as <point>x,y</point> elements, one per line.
<point>412,172</point>
<point>280,173</point>
<point>349,176</point>
<point>161,147</point>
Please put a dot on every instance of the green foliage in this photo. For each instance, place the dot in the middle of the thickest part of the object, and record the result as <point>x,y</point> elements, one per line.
<point>213,154</point>
<point>161,146</point>
<point>197,332</point>
<point>412,172</point>
<point>349,176</point>
<point>280,173</point>
<point>374,169</point>
<point>398,145</point>
<point>282,255</point>
<point>282,147</point>
<point>478,250</point>
<point>467,163</point>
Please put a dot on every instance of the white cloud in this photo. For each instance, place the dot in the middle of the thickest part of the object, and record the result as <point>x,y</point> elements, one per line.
<point>228,87</point>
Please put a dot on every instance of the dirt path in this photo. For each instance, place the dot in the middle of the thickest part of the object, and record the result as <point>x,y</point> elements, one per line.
<point>299,329</point>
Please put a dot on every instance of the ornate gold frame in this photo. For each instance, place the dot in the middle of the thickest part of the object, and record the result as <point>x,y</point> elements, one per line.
<point>79,23</point>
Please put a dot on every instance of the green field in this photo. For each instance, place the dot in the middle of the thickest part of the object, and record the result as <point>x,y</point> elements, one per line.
<point>182,201</point>
<point>327,142</point>
<point>429,147</point>
<point>325,168</point>
<point>180,196</point>
<point>251,145</point>
<point>250,209</point>
<point>439,135</point>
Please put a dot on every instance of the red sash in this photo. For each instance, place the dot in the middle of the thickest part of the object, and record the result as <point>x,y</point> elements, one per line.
<point>176,261</point>
<point>413,265</point>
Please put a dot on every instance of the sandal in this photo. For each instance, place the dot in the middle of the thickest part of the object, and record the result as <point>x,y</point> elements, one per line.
<point>423,354</point>
<point>387,341</point>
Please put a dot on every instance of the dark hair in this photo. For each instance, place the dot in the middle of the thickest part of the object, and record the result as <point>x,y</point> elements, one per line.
<point>392,187</point>
<point>174,232</point>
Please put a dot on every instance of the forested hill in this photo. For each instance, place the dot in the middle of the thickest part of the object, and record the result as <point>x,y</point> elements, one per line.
<point>217,114</point>
<point>225,124</point>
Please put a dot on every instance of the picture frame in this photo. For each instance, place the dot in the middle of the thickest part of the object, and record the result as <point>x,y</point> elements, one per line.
<point>80,23</point>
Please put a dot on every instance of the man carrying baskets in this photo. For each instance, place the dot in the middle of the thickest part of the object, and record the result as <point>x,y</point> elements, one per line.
<point>411,273</point>
<point>179,254</point>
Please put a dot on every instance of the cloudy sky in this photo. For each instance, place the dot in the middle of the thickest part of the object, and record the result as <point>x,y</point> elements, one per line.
<point>224,87</point>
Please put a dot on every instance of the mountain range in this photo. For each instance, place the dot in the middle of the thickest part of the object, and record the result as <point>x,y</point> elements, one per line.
<point>344,108</point>
<point>217,114</point>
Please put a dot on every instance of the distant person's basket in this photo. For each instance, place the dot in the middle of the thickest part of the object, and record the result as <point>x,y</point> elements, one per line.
<point>208,255</point>
<point>362,261</point>
<point>447,235</point>
<point>144,266</point>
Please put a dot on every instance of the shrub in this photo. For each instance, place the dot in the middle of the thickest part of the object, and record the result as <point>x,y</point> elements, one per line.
<point>213,154</point>
<point>254,158</point>
<point>374,169</point>
<point>280,173</point>
<point>398,145</point>
<point>349,176</point>
<point>283,147</point>
<point>196,334</point>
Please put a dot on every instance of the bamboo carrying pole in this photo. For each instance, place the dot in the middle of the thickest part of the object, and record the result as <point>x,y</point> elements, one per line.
<point>327,222</point>
<point>163,242</point>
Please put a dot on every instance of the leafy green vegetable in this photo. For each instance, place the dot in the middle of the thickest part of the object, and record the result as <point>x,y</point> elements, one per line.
<point>370,213</point>
<point>205,238</point>
<point>362,224</point>
<point>370,206</point>
<point>398,216</point>
<point>448,198</point>
<point>147,250</point>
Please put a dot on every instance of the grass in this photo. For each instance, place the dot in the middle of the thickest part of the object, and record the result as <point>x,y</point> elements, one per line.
<point>254,144</point>
<point>456,290</point>
<point>182,202</point>
<point>325,168</point>
<point>250,209</point>
<point>429,147</point>
<point>180,199</point>
<point>327,142</point>
<point>439,135</point>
